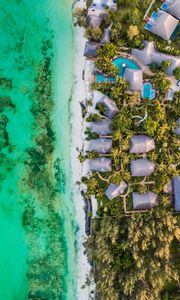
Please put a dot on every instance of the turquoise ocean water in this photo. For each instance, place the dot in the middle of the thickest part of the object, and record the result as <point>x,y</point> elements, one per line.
<point>23,26</point>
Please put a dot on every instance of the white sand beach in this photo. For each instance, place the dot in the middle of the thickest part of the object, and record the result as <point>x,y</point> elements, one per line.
<point>77,133</point>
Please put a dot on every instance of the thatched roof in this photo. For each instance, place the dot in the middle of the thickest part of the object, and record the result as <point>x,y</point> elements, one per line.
<point>176,191</point>
<point>102,127</point>
<point>164,25</point>
<point>141,144</point>
<point>177,130</point>
<point>110,106</point>
<point>106,36</point>
<point>101,164</point>
<point>144,201</point>
<point>94,20</point>
<point>173,8</point>
<point>135,79</point>
<point>90,49</point>
<point>100,145</point>
<point>115,190</point>
<point>145,55</point>
<point>141,167</point>
<point>149,55</point>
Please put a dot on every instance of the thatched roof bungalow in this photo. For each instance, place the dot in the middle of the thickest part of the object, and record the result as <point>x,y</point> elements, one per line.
<point>141,144</point>
<point>101,164</point>
<point>149,55</point>
<point>102,127</point>
<point>141,167</point>
<point>177,130</point>
<point>176,192</point>
<point>90,49</point>
<point>106,36</point>
<point>144,201</point>
<point>115,190</point>
<point>110,106</point>
<point>135,79</point>
<point>100,145</point>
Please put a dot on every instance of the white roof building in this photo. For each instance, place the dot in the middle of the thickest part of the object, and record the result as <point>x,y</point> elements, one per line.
<point>163,25</point>
<point>173,8</point>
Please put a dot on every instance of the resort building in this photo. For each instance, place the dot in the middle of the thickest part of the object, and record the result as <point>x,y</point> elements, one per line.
<point>141,167</point>
<point>162,24</point>
<point>115,190</point>
<point>177,130</point>
<point>110,106</point>
<point>106,36</point>
<point>90,49</point>
<point>172,7</point>
<point>141,144</point>
<point>101,164</point>
<point>100,145</point>
<point>176,193</point>
<point>135,79</point>
<point>94,20</point>
<point>149,55</point>
<point>144,201</point>
<point>102,127</point>
<point>97,11</point>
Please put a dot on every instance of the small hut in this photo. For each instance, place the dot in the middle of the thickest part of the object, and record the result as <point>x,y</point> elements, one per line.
<point>141,167</point>
<point>102,127</point>
<point>100,145</point>
<point>115,190</point>
<point>141,144</point>
<point>101,164</point>
<point>90,49</point>
<point>144,201</point>
<point>176,193</point>
<point>110,106</point>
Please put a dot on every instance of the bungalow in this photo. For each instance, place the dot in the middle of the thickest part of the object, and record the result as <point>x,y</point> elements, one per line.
<point>106,36</point>
<point>135,79</point>
<point>149,55</point>
<point>94,21</point>
<point>141,144</point>
<point>172,7</point>
<point>141,167</point>
<point>176,192</point>
<point>110,106</point>
<point>102,127</point>
<point>100,145</point>
<point>162,24</point>
<point>115,190</point>
<point>144,201</point>
<point>102,4</point>
<point>90,49</point>
<point>101,164</point>
<point>177,130</point>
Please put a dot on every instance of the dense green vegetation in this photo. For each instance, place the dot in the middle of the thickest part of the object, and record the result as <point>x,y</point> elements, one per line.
<point>134,254</point>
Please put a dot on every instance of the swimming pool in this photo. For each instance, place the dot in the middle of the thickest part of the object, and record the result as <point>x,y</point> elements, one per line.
<point>121,63</point>
<point>148,91</point>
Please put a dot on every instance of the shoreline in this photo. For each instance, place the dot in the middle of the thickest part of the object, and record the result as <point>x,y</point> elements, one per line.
<point>77,143</point>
